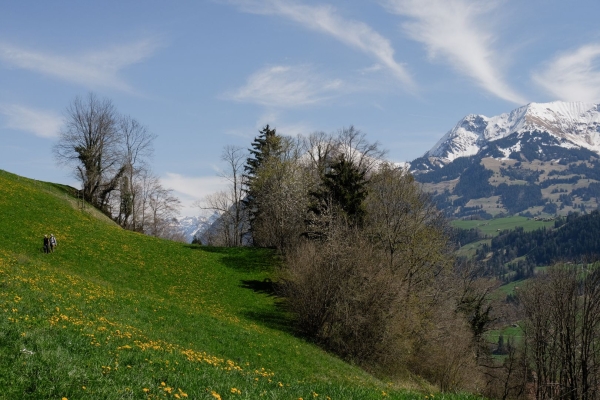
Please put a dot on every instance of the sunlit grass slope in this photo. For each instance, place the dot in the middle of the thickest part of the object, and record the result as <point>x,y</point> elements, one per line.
<point>113,314</point>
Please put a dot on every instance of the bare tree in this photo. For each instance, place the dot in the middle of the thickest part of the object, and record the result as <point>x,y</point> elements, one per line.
<point>354,145</point>
<point>233,224</point>
<point>157,207</point>
<point>163,208</point>
<point>89,142</point>
<point>136,150</point>
<point>562,327</point>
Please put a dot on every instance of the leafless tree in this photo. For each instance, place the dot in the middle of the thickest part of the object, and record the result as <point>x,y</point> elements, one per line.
<point>406,225</point>
<point>562,330</point>
<point>163,208</point>
<point>89,142</point>
<point>354,145</point>
<point>157,207</point>
<point>137,148</point>
<point>232,226</point>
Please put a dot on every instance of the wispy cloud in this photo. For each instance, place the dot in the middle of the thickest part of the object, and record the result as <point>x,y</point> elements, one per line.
<point>41,123</point>
<point>287,86</point>
<point>92,69</point>
<point>455,30</point>
<point>325,19</point>
<point>573,76</point>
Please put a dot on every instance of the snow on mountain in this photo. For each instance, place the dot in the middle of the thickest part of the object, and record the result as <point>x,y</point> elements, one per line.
<point>574,124</point>
<point>191,226</point>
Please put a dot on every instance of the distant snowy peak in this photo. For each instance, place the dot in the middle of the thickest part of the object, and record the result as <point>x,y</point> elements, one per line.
<point>191,226</point>
<point>575,124</point>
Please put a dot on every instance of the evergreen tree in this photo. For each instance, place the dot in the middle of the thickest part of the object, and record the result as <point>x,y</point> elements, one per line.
<point>266,145</point>
<point>346,184</point>
<point>341,193</point>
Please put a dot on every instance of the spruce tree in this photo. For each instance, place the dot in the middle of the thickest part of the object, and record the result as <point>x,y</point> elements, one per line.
<point>342,192</point>
<point>264,147</point>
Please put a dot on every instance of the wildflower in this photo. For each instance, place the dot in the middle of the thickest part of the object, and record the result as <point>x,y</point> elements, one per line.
<point>236,391</point>
<point>216,395</point>
<point>145,390</point>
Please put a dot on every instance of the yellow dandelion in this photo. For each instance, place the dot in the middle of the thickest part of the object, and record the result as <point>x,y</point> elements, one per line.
<point>216,395</point>
<point>145,390</point>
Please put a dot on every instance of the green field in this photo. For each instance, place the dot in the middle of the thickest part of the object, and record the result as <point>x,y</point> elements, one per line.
<point>113,314</point>
<point>493,226</point>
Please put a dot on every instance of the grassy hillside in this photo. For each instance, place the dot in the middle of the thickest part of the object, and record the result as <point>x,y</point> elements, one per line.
<point>112,314</point>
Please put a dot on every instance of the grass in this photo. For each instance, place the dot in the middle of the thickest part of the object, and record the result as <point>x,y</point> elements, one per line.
<point>493,226</point>
<point>113,314</point>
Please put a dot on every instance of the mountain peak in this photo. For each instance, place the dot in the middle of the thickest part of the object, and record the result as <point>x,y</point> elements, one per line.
<point>576,124</point>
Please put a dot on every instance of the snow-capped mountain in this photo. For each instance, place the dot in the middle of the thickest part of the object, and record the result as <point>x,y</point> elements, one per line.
<point>567,125</point>
<point>191,226</point>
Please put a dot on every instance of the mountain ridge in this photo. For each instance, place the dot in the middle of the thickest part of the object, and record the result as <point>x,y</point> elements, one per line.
<point>541,158</point>
<point>572,124</point>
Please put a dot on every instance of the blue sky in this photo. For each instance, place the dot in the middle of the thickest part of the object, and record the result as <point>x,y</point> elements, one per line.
<point>205,74</point>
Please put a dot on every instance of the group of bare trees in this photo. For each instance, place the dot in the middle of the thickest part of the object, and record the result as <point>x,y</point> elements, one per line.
<point>559,354</point>
<point>109,154</point>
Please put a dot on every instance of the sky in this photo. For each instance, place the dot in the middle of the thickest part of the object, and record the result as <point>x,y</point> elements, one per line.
<point>205,74</point>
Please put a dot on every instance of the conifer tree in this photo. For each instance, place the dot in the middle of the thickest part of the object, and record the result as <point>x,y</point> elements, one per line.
<point>341,194</point>
<point>266,145</point>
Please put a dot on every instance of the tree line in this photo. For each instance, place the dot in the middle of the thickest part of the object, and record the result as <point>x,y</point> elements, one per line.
<point>109,155</point>
<point>574,238</point>
<point>368,270</point>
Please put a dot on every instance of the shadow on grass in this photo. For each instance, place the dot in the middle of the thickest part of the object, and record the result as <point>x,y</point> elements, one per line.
<point>243,259</point>
<point>265,286</point>
<point>249,259</point>
<point>277,320</point>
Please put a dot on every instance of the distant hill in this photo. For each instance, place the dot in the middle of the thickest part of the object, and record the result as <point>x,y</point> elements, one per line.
<point>515,248</point>
<point>513,254</point>
<point>540,159</point>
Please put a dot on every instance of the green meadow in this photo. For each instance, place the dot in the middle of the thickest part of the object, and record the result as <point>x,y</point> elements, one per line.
<point>493,226</point>
<point>114,314</point>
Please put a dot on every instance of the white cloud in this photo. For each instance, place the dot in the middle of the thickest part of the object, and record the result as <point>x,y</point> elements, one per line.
<point>283,127</point>
<point>41,123</point>
<point>324,19</point>
<point>287,86</point>
<point>458,31</point>
<point>573,76</point>
<point>91,69</point>
<point>192,189</point>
